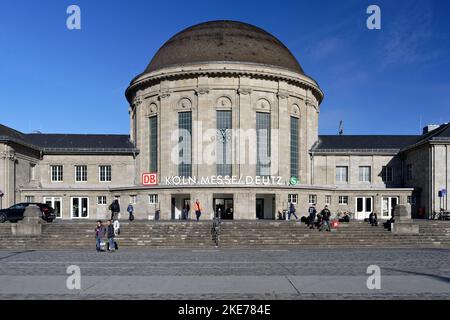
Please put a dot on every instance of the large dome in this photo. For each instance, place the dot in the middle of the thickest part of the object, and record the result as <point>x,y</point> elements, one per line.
<point>224,41</point>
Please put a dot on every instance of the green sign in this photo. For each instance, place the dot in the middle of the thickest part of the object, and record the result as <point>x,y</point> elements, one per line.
<point>293,181</point>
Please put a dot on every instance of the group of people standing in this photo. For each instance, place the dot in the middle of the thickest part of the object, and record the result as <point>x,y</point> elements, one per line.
<point>187,208</point>
<point>110,229</point>
<point>320,220</point>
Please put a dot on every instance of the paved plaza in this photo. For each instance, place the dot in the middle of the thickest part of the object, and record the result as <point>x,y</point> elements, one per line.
<point>227,274</point>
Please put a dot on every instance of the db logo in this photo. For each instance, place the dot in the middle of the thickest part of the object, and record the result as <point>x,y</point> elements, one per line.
<point>149,179</point>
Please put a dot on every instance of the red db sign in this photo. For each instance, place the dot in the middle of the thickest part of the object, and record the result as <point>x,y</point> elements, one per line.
<point>149,179</point>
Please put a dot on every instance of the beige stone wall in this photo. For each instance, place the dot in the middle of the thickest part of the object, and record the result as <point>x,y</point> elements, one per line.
<point>440,177</point>
<point>122,171</point>
<point>325,169</point>
<point>420,159</point>
<point>15,170</point>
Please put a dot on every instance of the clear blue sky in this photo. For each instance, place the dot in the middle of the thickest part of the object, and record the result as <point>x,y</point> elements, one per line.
<point>379,82</point>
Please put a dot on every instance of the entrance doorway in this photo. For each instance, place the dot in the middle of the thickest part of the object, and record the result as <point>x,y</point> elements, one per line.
<point>223,207</point>
<point>387,206</point>
<point>265,206</point>
<point>55,203</point>
<point>260,208</point>
<point>79,208</point>
<point>179,202</point>
<point>364,207</point>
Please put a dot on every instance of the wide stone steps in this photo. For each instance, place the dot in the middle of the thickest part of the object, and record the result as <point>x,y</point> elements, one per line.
<point>237,234</point>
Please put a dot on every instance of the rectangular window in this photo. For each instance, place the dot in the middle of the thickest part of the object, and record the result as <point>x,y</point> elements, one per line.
<point>409,172</point>
<point>134,127</point>
<point>133,199</point>
<point>224,142</point>
<point>153,128</point>
<point>101,200</point>
<point>343,200</point>
<point>292,198</point>
<point>185,144</point>
<point>341,174</point>
<point>262,144</point>
<point>294,147</point>
<point>387,174</point>
<point>312,199</point>
<point>29,198</point>
<point>104,173</point>
<point>327,199</point>
<point>365,174</point>
<point>80,173</point>
<point>152,198</point>
<point>56,173</point>
<point>32,171</point>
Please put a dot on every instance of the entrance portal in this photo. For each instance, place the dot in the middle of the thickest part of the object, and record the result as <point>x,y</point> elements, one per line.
<point>387,205</point>
<point>265,206</point>
<point>223,207</point>
<point>180,202</point>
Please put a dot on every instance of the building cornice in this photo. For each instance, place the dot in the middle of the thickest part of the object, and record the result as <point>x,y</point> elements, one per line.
<point>171,73</point>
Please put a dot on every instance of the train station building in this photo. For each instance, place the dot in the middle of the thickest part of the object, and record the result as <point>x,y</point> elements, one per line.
<point>224,113</point>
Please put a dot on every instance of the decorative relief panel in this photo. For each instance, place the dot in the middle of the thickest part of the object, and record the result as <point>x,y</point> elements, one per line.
<point>224,103</point>
<point>295,110</point>
<point>184,104</point>
<point>262,105</point>
<point>151,110</point>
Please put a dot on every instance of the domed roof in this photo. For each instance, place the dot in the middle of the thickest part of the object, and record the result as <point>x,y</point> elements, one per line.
<point>224,41</point>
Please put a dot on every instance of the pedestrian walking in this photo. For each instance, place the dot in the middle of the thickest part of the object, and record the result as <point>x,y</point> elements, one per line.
<point>292,211</point>
<point>111,236</point>
<point>312,215</point>
<point>130,210</point>
<point>198,209</point>
<point>115,209</point>
<point>326,214</point>
<point>99,235</point>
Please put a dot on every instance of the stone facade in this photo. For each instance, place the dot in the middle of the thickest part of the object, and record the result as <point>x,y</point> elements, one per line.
<point>245,89</point>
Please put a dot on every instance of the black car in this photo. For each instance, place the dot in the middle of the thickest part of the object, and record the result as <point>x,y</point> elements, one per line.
<point>15,212</point>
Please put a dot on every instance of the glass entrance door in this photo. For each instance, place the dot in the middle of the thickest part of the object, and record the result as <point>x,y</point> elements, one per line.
<point>80,208</point>
<point>387,206</point>
<point>224,208</point>
<point>55,203</point>
<point>363,207</point>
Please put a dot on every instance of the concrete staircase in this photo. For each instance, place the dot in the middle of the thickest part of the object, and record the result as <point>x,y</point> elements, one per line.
<point>235,234</point>
<point>353,234</point>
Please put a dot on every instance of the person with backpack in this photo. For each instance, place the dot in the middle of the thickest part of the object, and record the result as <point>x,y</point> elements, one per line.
<point>130,210</point>
<point>198,209</point>
<point>292,211</point>
<point>326,214</point>
<point>100,232</point>
<point>111,236</point>
<point>115,209</point>
<point>312,215</point>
